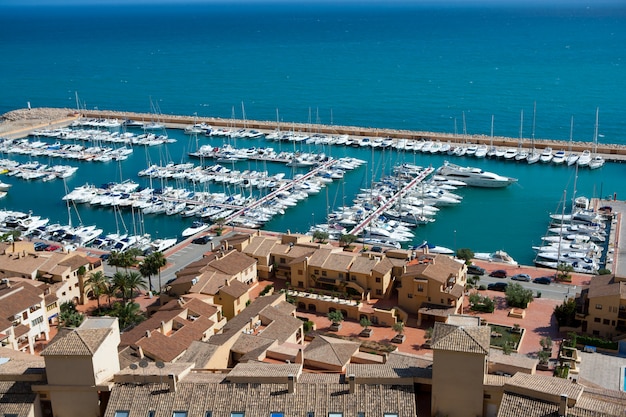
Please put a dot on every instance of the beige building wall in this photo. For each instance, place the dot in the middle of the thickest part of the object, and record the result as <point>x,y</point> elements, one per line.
<point>604,315</point>
<point>75,403</point>
<point>457,388</point>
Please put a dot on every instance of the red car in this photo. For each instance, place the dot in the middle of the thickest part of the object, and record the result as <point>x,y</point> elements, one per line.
<point>52,248</point>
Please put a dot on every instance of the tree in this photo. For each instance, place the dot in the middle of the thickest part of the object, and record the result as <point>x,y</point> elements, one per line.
<point>320,236</point>
<point>98,284</point>
<point>546,343</point>
<point>564,272</point>
<point>134,282</point>
<point>518,296</point>
<point>151,265</point>
<point>10,236</point>
<point>544,356</point>
<point>128,314</point>
<point>565,314</point>
<point>465,253</point>
<point>335,316</point>
<point>121,259</point>
<point>365,323</point>
<point>220,222</point>
<point>398,327</point>
<point>69,316</point>
<point>347,240</point>
<point>119,283</point>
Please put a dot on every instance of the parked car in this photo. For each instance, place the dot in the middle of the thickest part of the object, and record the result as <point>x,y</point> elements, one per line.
<point>202,240</point>
<point>475,270</point>
<point>39,246</point>
<point>498,286</point>
<point>543,280</point>
<point>521,277</point>
<point>52,248</point>
<point>498,273</point>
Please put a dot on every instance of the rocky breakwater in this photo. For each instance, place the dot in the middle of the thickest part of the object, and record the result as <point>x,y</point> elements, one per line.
<point>19,123</point>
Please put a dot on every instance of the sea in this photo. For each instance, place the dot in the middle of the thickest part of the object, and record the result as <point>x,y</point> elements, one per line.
<point>427,66</point>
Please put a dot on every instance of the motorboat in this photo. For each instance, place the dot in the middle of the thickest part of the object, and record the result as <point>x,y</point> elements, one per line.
<point>196,227</point>
<point>159,245</point>
<point>474,177</point>
<point>434,248</point>
<point>584,159</point>
<point>4,186</point>
<point>497,256</point>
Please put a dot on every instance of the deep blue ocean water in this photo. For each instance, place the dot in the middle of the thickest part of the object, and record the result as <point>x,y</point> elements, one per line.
<point>433,68</point>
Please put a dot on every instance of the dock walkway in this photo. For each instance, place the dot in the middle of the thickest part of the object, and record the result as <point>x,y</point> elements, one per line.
<point>415,181</point>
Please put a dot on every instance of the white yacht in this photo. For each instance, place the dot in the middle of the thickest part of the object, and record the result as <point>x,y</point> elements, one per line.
<point>474,177</point>
<point>196,227</point>
<point>497,256</point>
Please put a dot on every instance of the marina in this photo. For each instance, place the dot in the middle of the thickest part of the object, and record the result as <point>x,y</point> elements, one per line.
<point>239,177</point>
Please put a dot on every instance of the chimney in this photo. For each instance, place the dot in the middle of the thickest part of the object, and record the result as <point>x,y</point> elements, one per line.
<point>227,283</point>
<point>147,333</point>
<point>352,383</point>
<point>171,381</point>
<point>563,406</point>
<point>299,357</point>
<point>140,352</point>
<point>291,384</point>
<point>162,326</point>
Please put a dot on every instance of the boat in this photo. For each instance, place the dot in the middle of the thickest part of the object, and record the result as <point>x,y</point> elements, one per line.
<point>584,159</point>
<point>596,161</point>
<point>571,157</point>
<point>533,155</point>
<point>441,250</point>
<point>474,177</point>
<point>497,256</point>
<point>4,186</point>
<point>159,245</point>
<point>559,157</point>
<point>546,155</point>
<point>196,227</point>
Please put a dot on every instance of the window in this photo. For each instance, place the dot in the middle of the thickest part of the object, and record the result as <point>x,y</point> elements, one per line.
<point>606,321</point>
<point>487,396</point>
<point>310,414</point>
<point>323,273</point>
<point>596,319</point>
<point>299,272</point>
<point>409,295</point>
<point>379,292</point>
<point>598,306</point>
<point>277,414</point>
<point>390,414</point>
<point>208,414</point>
<point>317,271</point>
<point>237,414</point>
<point>341,275</point>
<point>282,260</point>
<point>335,414</point>
<point>360,414</point>
<point>37,321</point>
<point>151,413</point>
<point>377,279</point>
<point>420,288</point>
<point>122,413</point>
<point>179,414</point>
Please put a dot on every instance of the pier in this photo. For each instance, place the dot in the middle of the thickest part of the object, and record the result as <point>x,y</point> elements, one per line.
<point>405,189</point>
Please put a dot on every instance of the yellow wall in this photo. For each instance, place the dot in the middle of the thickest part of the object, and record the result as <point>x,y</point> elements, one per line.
<point>457,383</point>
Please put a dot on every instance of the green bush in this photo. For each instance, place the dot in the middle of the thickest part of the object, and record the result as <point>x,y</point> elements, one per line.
<point>267,289</point>
<point>518,296</point>
<point>483,287</point>
<point>308,326</point>
<point>596,341</point>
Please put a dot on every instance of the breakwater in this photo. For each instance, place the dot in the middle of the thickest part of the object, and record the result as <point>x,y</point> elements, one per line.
<point>611,152</point>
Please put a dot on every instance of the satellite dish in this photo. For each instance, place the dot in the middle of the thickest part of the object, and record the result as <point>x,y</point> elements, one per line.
<point>133,366</point>
<point>160,365</point>
<point>143,363</point>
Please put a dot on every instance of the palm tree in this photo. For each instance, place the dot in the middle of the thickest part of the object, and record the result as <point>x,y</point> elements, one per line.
<point>398,327</point>
<point>134,281</point>
<point>98,284</point>
<point>120,283</point>
<point>152,265</point>
<point>128,314</point>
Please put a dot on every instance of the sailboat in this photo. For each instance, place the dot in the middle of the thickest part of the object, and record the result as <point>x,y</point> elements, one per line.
<point>521,152</point>
<point>571,157</point>
<point>596,161</point>
<point>533,155</point>
<point>492,149</point>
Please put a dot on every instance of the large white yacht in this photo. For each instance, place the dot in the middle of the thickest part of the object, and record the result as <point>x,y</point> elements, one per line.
<point>474,177</point>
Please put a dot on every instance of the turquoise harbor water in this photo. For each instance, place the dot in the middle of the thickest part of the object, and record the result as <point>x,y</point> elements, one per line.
<point>436,68</point>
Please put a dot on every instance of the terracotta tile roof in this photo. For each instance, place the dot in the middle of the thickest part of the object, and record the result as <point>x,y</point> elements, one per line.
<point>80,342</point>
<point>339,262</point>
<point>461,339</point>
<point>495,380</point>
<point>330,350</point>
<point>5,324</point>
<point>20,363</point>
<point>285,308</point>
<point>17,398</point>
<point>514,405</point>
<point>199,353</point>
<point>259,399</point>
<point>436,310</point>
<point>363,265</point>
<point>281,329</point>
<point>261,246</point>
<point>75,261</point>
<point>132,336</point>
<point>318,257</point>
<point>368,371</point>
<point>20,330</point>
<point>160,347</point>
<point>294,251</point>
<point>200,307</point>
<point>440,268</point>
<point>384,266</point>
<point>19,297</point>
<point>457,290</point>
<point>605,285</point>
<point>550,386</point>
<point>241,320</point>
<point>233,263</point>
<point>251,370</point>
<point>235,288</point>
<point>247,343</point>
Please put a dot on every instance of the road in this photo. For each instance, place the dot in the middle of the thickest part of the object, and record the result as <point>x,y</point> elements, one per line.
<point>553,291</point>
